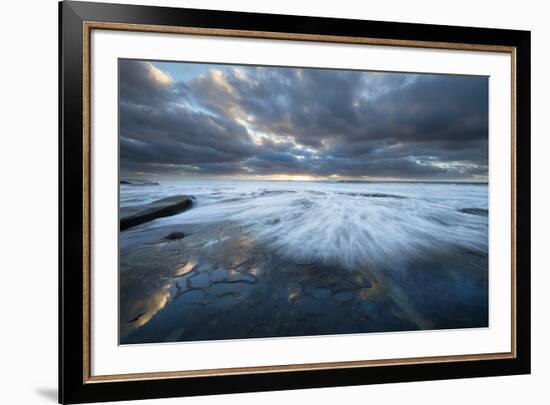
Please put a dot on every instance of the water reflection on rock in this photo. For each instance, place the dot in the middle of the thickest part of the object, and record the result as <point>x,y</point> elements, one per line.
<point>220,283</point>
<point>144,309</point>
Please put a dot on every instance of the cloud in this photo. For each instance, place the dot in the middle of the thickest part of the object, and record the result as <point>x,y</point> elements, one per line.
<point>265,121</point>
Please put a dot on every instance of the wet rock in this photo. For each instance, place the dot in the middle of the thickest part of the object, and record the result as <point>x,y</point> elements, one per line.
<point>241,278</point>
<point>226,302</point>
<point>311,307</point>
<point>222,276</point>
<point>139,183</point>
<point>374,195</point>
<point>359,280</point>
<point>275,192</point>
<point>321,293</point>
<point>225,290</point>
<point>235,294</point>
<point>136,318</point>
<point>175,236</point>
<point>381,195</point>
<point>364,293</point>
<point>294,286</point>
<point>218,274</point>
<point>294,291</point>
<point>194,296</point>
<point>186,268</point>
<point>239,260</point>
<point>475,211</point>
<point>157,209</point>
<point>343,296</point>
<point>200,280</point>
<point>331,281</point>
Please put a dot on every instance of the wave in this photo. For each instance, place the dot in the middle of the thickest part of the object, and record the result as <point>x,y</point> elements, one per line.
<point>343,223</point>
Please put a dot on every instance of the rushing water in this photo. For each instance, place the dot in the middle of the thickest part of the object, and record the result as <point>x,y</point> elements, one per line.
<point>352,223</point>
<point>263,259</point>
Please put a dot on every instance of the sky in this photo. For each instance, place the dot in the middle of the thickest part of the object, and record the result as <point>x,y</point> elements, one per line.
<point>191,120</point>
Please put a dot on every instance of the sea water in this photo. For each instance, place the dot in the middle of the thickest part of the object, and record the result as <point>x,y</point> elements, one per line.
<point>350,222</point>
<point>274,259</point>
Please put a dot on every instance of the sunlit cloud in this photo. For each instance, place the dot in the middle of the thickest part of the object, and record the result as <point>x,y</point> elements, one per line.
<point>159,75</point>
<point>300,123</point>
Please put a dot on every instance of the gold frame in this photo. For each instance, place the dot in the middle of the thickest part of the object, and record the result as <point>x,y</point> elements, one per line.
<point>88,26</point>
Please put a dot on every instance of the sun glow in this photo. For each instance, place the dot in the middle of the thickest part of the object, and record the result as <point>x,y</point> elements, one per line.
<point>288,177</point>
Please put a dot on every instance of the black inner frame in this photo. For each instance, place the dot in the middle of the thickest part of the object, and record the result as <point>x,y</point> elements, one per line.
<point>72,387</point>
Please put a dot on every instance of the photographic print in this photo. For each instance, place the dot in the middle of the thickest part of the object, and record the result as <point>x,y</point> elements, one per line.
<point>253,202</point>
<point>265,201</point>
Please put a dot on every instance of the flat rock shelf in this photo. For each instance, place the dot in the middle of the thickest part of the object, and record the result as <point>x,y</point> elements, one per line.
<point>254,259</point>
<point>165,207</point>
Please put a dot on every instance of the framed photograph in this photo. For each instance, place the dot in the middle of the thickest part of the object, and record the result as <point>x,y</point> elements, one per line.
<point>255,202</point>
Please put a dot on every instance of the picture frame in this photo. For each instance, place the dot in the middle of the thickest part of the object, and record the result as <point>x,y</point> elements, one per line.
<point>79,20</point>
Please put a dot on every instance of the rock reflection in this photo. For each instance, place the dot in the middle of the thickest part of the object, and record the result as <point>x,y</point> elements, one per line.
<point>143,310</point>
<point>187,268</point>
<point>242,288</point>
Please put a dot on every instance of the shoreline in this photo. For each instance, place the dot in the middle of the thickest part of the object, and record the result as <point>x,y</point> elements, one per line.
<point>248,260</point>
<point>217,283</point>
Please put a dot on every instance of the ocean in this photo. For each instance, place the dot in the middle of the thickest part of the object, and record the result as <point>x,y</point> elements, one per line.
<point>312,258</point>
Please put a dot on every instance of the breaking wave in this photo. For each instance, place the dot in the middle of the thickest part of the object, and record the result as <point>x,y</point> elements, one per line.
<point>348,223</point>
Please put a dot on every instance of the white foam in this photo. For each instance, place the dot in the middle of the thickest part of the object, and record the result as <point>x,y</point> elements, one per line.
<point>350,223</point>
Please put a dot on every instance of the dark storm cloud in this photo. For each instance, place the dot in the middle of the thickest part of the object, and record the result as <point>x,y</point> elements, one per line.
<point>158,127</point>
<point>139,85</point>
<point>275,121</point>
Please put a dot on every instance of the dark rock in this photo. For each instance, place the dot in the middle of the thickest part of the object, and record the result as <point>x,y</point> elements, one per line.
<point>374,195</point>
<point>241,278</point>
<point>218,275</point>
<point>275,192</point>
<point>199,280</point>
<point>139,183</point>
<point>226,302</point>
<point>475,211</point>
<point>194,295</point>
<point>136,318</point>
<point>343,296</point>
<point>380,195</point>
<point>321,293</point>
<point>157,209</point>
<point>359,280</point>
<point>175,236</point>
